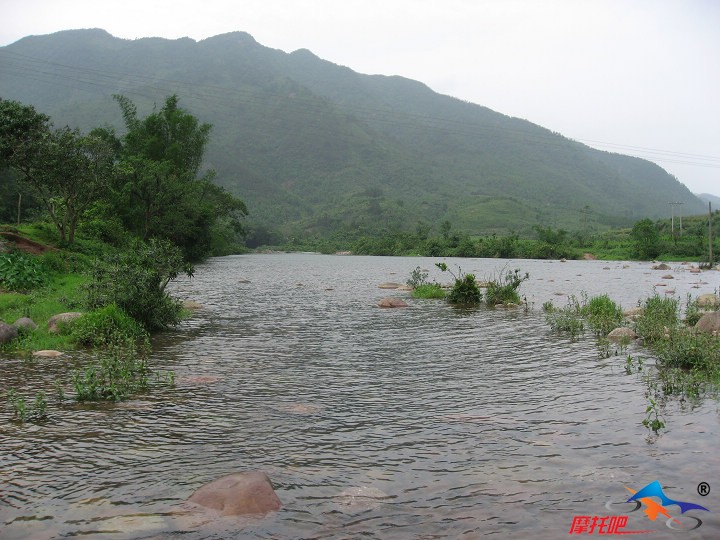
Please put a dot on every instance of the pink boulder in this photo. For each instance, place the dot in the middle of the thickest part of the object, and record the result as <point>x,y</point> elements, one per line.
<point>238,494</point>
<point>390,302</point>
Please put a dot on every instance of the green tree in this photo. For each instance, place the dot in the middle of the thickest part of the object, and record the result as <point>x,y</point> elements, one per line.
<point>65,170</point>
<point>21,130</point>
<point>646,239</point>
<point>159,190</point>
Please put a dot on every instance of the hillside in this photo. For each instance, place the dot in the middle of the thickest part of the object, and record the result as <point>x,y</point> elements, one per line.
<point>314,147</point>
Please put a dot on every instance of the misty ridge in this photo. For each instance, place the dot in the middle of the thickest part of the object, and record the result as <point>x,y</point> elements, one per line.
<point>314,148</point>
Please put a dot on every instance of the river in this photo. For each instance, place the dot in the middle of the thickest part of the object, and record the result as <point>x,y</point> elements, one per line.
<point>443,422</point>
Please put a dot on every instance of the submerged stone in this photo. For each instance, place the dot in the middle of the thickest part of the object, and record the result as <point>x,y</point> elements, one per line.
<point>47,353</point>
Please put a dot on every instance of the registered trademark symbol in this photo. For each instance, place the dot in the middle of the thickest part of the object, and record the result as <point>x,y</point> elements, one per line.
<point>704,489</point>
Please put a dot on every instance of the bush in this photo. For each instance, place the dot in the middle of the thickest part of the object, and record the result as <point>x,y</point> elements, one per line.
<point>602,314</point>
<point>686,349</point>
<point>114,376</point>
<point>465,291</point>
<point>659,316</point>
<point>429,290</point>
<point>20,272</point>
<point>135,281</point>
<point>504,289</point>
<point>106,327</point>
<point>565,320</point>
<point>417,278</point>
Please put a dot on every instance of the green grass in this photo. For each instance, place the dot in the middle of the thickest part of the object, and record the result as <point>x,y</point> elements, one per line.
<point>62,294</point>
<point>429,290</point>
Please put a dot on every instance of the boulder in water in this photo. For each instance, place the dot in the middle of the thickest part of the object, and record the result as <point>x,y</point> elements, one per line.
<point>238,494</point>
<point>390,302</point>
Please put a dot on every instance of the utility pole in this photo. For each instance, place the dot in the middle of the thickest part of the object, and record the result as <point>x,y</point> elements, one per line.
<point>710,232</point>
<point>672,217</point>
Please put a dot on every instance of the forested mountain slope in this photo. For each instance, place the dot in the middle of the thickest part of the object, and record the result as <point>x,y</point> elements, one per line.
<point>314,147</point>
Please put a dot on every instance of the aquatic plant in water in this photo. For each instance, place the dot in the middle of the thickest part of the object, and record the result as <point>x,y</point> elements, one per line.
<point>503,289</point>
<point>465,291</point>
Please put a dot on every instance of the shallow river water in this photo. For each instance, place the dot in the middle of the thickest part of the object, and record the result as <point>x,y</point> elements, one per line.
<point>422,422</point>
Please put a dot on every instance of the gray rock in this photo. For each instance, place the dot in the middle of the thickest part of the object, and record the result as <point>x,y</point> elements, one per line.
<point>26,324</point>
<point>8,332</point>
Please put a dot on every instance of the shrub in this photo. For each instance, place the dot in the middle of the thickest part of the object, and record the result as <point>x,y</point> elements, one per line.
<point>465,291</point>
<point>429,290</point>
<point>115,375</point>
<point>417,278</point>
<point>686,349</point>
<point>602,314</point>
<point>659,316</point>
<point>566,320</point>
<point>135,281</point>
<point>106,327</point>
<point>20,272</point>
<point>503,290</point>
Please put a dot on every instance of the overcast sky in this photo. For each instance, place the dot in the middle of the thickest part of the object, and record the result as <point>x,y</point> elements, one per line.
<point>639,77</point>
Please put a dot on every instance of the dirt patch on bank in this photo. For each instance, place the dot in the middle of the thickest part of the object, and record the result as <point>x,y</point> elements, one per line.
<point>12,239</point>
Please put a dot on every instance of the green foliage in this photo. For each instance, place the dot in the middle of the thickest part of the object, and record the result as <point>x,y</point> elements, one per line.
<point>652,419</point>
<point>503,290</point>
<point>115,375</point>
<point>565,320</point>
<point>157,189</point>
<point>658,318</point>
<point>24,412</point>
<point>465,291</point>
<point>646,239</point>
<point>429,290</point>
<point>417,278</point>
<point>135,281</point>
<point>107,327</point>
<point>602,314</point>
<point>20,272</point>
<point>692,311</point>
<point>684,348</point>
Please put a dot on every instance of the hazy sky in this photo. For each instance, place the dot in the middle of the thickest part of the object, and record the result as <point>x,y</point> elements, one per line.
<point>639,77</point>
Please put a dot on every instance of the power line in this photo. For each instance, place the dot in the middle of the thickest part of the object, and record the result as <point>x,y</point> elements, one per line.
<point>45,71</point>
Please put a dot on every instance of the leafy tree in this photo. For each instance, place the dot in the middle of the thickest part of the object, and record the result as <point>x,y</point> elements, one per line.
<point>646,239</point>
<point>66,171</point>
<point>158,188</point>
<point>135,281</point>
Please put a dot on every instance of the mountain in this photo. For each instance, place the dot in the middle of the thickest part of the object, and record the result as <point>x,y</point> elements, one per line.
<point>707,198</point>
<point>314,147</point>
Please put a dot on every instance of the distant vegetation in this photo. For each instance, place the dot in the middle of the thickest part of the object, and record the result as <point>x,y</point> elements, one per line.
<point>321,153</point>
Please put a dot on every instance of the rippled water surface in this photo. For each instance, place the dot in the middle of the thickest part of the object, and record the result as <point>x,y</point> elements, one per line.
<point>443,423</point>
